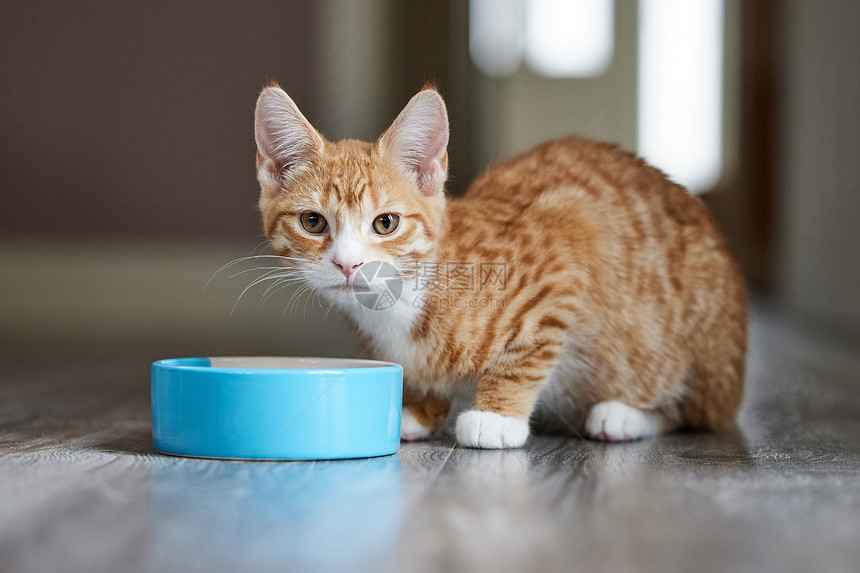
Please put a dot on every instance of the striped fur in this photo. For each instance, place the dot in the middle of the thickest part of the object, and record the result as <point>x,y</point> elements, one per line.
<point>567,277</point>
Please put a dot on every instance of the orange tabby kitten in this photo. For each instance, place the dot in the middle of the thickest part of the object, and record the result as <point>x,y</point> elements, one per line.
<point>574,287</point>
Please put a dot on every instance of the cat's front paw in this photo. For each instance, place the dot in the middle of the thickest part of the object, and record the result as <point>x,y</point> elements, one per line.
<point>411,429</point>
<point>488,430</point>
<point>614,421</point>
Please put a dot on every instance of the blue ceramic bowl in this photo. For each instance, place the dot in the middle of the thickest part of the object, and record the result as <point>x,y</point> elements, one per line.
<point>270,408</point>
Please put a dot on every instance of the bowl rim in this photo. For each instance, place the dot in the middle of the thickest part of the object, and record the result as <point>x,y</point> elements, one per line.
<point>245,365</point>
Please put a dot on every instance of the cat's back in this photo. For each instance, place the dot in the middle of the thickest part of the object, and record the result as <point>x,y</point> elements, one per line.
<point>577,171</point>
<point>593,214</point>
<point>550,164</point>
<point>578,189</point>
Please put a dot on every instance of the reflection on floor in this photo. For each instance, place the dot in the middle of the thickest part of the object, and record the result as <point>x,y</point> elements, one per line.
<point>82,489</point>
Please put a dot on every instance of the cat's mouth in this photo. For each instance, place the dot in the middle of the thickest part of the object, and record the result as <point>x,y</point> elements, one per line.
<point>352,287</point>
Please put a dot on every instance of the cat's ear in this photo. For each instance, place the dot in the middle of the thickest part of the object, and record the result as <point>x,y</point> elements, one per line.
<point>286,141</point>
<point>418,141</point>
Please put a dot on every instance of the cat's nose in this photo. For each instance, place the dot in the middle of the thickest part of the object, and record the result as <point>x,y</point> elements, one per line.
<point>346,267</point>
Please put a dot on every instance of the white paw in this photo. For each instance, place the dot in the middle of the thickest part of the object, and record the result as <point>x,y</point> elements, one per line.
<point>488,430</point>
<point>615,421</point>
<point>411,430</point>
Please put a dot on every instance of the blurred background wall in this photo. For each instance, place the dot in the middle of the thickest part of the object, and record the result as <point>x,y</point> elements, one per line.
<point>816,262</point>
<point>127,151</point>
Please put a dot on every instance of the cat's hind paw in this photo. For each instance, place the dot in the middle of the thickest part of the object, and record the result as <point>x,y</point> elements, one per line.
<point>411,429</point>
<point>488,430</point>
<point>614,421</point>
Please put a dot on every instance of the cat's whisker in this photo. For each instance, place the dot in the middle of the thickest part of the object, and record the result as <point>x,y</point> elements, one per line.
<point>261,246</point>
<point>307,293</point>
<point>274,272</point>
<point>278,269</point>
<point>330,306</point>
<point>294,299</point>
<point>278,286</point>
<point>269,276</point>
<point>250,258</point>
<point>305,309</point>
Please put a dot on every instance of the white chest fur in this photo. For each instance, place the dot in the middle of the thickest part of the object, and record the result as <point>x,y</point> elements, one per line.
<point>390,330</point>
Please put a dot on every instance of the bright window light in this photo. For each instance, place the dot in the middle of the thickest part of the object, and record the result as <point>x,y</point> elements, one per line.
<point>496,35</point>
<point>680,113</point>
<point>569,38</point>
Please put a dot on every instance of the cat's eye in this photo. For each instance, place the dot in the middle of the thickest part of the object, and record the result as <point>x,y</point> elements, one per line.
<point>385,224</point>
<point>313,223</point>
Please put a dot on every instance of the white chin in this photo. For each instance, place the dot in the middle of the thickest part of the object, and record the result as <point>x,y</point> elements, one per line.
<point>342,294</point>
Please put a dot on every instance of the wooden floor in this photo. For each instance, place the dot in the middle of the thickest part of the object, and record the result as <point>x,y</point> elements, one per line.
<point>81,489</point>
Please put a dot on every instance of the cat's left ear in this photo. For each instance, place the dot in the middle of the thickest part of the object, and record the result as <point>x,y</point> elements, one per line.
<point>418,141</point>
<point>286,141</point>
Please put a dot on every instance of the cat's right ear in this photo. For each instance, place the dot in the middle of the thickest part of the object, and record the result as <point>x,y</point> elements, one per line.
<point>418,141</point>
<point>286,141</point>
